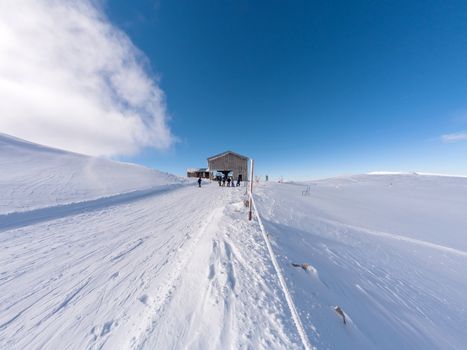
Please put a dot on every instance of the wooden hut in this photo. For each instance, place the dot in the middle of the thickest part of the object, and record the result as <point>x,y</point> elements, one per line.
<point>198,172</point>
<point>230,164</point>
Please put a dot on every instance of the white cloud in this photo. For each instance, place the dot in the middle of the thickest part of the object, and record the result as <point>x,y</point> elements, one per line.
<point>455,137</point>
<point>70,79</point>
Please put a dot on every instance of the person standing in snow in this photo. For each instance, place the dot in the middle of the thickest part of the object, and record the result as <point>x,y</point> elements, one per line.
<point>239,179</point>
<point>199,182</point>
<point>228,182</point>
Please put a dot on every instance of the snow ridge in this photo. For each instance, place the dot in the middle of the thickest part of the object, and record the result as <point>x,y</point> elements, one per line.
<point>290,303</point>
<point>26,218</point>
<point>396,237</point>
<point>38,177</point>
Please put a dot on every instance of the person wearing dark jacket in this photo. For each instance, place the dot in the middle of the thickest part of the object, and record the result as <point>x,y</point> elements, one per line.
<point>199,182</point>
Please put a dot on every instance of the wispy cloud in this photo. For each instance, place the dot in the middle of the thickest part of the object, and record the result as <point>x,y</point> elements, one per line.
<point>70,79</point>
<point>455,137</point>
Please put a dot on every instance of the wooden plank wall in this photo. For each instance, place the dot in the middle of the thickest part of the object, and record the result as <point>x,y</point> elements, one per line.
<point>230,162</point>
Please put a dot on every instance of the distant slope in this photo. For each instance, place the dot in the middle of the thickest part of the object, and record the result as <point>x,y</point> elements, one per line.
<point>427,207</point>
<point>33,176</point>
<point>389,249</point>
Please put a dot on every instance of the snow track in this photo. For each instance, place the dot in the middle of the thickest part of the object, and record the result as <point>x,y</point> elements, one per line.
<point>236,302</point>
<point>180,268</point>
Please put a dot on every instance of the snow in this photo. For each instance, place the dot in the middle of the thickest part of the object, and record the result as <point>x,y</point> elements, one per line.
<point>177,267</point>
<point>97,254</point>
<point>228,296</point>
<point>147,274</point>
<point>390,250</point>
<point>34,176</point>
<point>290,302</point>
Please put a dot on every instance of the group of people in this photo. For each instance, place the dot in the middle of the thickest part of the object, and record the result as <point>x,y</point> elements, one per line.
<point>230,181</point>
<point>225,179</point>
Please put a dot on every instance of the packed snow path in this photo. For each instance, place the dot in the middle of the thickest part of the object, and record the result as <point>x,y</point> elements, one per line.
<point>175,269</point>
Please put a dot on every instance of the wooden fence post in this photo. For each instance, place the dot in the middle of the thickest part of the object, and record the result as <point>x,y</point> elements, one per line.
<point>252,166</point>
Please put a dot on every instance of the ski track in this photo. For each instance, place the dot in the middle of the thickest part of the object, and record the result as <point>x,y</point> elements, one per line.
<point>127,272</point>
<point>237,304</point>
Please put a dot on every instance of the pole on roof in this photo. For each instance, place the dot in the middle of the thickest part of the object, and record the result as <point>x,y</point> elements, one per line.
<point>250,204</point>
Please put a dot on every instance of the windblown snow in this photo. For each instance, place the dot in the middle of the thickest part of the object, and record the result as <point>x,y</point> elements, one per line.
<point>35,176</point>
<point>152,263</point>
<point>389,250</point>
<point>96,254</point>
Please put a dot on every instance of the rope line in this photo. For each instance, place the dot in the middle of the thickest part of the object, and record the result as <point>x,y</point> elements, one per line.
<point>293,309</point>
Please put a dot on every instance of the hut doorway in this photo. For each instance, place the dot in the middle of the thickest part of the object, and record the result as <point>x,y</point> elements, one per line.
<point>226,173</point>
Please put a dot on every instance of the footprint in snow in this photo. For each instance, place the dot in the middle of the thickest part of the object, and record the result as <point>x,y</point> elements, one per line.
<point>144,299</point>
<point>107,328</point>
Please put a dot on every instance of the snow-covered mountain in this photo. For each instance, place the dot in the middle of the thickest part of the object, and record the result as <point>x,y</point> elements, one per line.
<point>34,176</point>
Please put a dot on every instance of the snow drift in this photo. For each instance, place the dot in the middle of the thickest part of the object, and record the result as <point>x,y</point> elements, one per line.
<point>389,250</point>
<point>35,176</point>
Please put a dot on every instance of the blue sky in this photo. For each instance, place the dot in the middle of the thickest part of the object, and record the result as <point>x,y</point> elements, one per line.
<point>307,88</point>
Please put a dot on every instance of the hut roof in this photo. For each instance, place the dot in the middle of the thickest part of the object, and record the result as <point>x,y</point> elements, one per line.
<point>227,152</point>
<point>197,170</point>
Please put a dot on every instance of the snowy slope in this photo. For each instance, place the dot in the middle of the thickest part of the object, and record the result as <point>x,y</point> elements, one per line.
<point>390,250</point>
<point>159,272</point>
<point>169,267</point>
<point>34,176</point>
<point>96,254</point>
